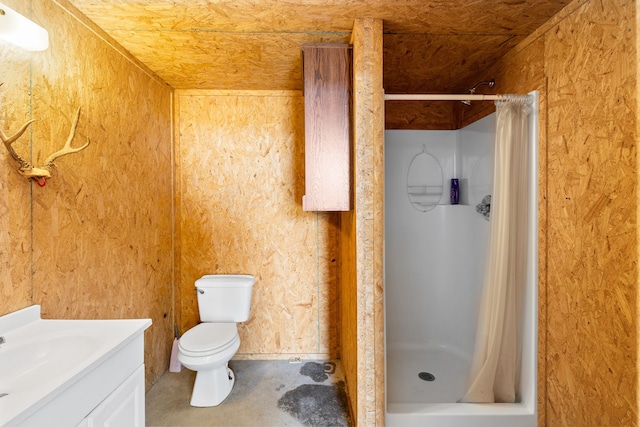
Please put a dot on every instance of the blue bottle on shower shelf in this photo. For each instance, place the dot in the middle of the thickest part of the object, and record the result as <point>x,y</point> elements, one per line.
<point>455,191</point>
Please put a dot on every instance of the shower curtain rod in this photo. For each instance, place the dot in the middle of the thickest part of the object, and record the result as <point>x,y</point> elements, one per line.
<point>441,97</point>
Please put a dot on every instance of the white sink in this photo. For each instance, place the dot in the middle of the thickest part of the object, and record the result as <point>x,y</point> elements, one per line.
<point>28,364</point>
<point>40,359</point>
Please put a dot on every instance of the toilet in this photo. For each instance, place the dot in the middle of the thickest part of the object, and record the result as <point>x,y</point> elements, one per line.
<point>223,300</point>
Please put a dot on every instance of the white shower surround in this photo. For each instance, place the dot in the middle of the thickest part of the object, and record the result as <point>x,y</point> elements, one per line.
<point>432,290</point>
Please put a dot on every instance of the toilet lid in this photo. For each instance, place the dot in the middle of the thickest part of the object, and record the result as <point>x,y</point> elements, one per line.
<point>208,337</point>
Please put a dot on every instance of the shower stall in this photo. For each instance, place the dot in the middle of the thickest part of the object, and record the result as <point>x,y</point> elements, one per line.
<point>435,255</point>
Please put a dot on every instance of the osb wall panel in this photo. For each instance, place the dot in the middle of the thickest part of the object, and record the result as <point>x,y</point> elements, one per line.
<point>590,61</point>
<point>240,186</point>
<point>101,228</point>
<point>15,206</point>
<point>362,236</point>
<point>349,306</point>
<point>425,64</point>
<point>419,115</point>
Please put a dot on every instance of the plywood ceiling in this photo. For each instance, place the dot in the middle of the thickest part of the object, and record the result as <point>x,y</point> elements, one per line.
<point>429,45</point>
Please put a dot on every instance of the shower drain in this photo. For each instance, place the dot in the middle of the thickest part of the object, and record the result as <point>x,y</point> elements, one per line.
<point>426,376</point>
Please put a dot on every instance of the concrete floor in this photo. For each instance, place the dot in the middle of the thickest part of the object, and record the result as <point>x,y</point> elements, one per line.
<point>266,393</point>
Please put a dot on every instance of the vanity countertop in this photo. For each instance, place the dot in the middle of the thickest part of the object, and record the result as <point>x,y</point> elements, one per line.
<point>41,358</point>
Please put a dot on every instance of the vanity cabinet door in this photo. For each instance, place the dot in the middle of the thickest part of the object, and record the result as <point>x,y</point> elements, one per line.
<point>327,133</point>
<point>124,407</point>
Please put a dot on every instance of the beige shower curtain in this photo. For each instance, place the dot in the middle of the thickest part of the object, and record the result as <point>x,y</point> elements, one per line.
<point>495,368</point>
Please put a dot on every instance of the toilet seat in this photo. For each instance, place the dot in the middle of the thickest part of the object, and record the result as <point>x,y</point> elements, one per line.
<point>208,338</point>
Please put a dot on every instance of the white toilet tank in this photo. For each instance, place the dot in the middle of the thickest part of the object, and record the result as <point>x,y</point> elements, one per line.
<point>224,297</point>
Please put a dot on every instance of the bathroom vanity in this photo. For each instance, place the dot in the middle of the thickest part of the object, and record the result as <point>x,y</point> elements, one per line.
<point>71,372</point>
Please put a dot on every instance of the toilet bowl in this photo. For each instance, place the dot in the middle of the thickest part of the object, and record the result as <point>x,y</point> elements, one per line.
<point>207,348</point>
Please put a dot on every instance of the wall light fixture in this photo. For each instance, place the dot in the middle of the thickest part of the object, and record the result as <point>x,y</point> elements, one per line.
<point>21,31</point>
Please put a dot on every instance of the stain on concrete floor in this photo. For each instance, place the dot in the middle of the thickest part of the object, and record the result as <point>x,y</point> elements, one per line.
<point>315,404</point>
<point>318,372</point>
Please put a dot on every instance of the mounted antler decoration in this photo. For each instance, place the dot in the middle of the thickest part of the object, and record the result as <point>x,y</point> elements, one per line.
<point>40,174</point>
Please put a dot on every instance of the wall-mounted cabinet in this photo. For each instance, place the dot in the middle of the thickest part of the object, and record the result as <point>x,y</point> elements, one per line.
<point>327,111</point>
